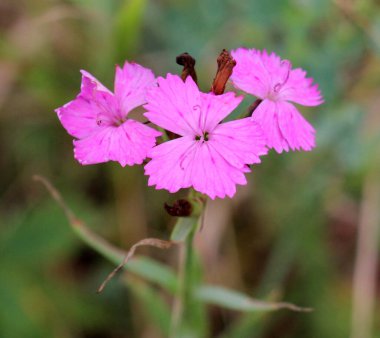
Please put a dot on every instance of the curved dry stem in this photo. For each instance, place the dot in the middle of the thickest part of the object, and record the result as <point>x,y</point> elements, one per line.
<point>157,243</point>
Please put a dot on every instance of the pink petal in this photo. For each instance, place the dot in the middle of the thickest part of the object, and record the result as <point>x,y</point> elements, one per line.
<point>183,162</point>
<point>298,133</point>
<point>127,144</point>
<point>78,117</point>
<point>90,82</point>
<point>83,115</point>
<point>214,108</point>
<point>215,177</point>
<point>301,89</point>
<point>174,105</point>
<point>266,75</point>
<point>266,116</point>
<point>131,83</point>
<point>239,142</point>
<point>170,167</point>
<point>251,73</point>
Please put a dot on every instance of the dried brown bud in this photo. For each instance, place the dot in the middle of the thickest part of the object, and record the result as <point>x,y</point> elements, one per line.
<point>188,63</point>
<point>180,208</point>
<point>225,66</point>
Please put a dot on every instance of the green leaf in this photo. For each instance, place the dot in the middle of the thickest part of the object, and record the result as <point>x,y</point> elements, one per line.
<point>183,228</point>
<point>235,300</point>
<point>144,267</point>
<point>147,268</point>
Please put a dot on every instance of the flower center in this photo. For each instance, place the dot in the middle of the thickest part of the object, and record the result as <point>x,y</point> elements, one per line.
<point>106,121</point>
<point>203,138</point>
<point>108,117</point>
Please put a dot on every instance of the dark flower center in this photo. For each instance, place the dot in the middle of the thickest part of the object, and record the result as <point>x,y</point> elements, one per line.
<point>203,137</point>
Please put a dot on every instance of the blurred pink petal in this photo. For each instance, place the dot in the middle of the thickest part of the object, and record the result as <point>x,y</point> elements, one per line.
<point>216,107</point>
<point>89,81</point>
<point>184,162</point>
<point>210,157</point>
<point>131,83</point>
<point>275,82</point>
<point>98,118</point>
<point>174,104</point>
<point>181,108</point>
<point>301,90</point>
<point>299,133</point>
<point>266,114</point>
<point>240,141</point>
<point>127,144</point>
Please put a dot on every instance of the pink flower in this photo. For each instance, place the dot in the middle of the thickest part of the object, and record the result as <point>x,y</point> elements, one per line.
<point>98,118</point>
<point>209,156</point>
<point>273,81</point>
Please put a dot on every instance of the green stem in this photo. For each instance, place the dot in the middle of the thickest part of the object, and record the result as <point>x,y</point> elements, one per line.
<point>188,278</point>
<point>185,284</point>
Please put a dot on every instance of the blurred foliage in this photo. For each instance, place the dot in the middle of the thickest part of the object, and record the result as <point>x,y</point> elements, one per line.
<point>290,235</point>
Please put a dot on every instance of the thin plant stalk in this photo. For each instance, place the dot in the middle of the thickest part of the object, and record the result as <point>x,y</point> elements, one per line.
<point>184,294</point>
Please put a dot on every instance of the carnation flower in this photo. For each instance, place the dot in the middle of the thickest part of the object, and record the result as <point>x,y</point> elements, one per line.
<point>98,118</point>
<point>275,82</point>
<point>208,156</point>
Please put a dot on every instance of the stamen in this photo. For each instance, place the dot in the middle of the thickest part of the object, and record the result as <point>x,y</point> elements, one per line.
<point>99,120</point>
<point>203,138</point>
<point>103,119</point>
<point>285,68</point>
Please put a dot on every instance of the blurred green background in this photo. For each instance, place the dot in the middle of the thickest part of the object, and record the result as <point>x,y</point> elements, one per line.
<point>289,235</point>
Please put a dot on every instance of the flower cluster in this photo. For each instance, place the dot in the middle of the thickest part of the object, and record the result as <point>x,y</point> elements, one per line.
<point>201,151</point>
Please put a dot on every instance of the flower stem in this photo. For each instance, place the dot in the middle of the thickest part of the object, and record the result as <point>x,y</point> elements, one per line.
<point>253,106</point>
<point>185,284</point>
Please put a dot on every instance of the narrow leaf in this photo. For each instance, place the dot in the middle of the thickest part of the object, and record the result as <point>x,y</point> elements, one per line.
<point>235,300</point>
<point>183,228</point>
<point>142,266</point>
